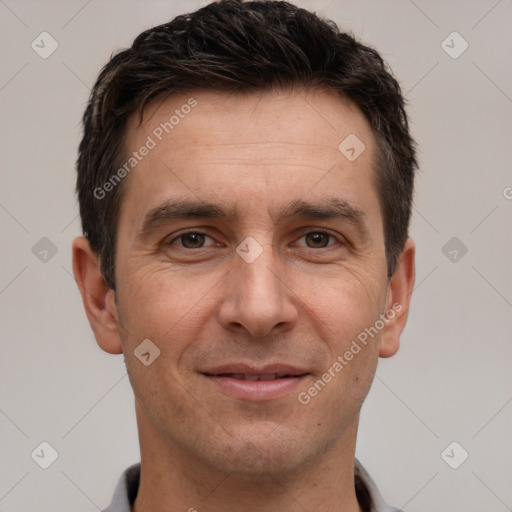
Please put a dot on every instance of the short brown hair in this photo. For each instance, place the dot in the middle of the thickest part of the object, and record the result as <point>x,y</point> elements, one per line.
<point>236,46</point>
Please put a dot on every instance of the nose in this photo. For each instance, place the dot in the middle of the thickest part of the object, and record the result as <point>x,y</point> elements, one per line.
<point>257,298</point>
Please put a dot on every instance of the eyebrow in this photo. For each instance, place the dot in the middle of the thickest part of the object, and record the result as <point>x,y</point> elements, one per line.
<point>185,209</point>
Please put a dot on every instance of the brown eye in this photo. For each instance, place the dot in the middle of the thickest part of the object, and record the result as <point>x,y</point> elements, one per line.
<point>318,240</point>
<point>190,240</point>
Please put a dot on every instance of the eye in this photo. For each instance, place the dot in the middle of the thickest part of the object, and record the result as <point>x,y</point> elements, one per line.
<point>318,239</point>
<point>191,240</point>
<point>196,240</point>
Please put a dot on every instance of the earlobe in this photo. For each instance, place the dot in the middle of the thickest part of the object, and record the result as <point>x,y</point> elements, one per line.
<point>400,290</point>
<point>97,297</point>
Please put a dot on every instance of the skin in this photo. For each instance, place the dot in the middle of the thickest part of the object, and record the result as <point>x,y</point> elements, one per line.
<point>301,302</point>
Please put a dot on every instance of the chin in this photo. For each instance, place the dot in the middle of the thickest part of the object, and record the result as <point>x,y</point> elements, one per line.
<point>259,460</point>
<point>263,454</point>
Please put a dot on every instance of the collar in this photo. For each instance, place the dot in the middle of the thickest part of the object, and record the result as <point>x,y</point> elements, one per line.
<point>367,493</point>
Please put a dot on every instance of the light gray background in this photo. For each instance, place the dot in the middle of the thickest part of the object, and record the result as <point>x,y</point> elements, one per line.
<point>451,380</point>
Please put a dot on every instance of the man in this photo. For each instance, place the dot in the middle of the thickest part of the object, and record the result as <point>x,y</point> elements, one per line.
<point>245,180</point>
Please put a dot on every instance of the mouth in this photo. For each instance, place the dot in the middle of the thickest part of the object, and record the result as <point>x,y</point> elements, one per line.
<point>247,383</point>
<point>254,376</point>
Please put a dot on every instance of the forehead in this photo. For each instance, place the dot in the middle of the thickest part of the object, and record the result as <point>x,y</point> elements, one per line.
<point>313,118</point>
<point>208,145</point>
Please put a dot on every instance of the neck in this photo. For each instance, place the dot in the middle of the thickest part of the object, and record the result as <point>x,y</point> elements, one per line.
<point>174,480</point>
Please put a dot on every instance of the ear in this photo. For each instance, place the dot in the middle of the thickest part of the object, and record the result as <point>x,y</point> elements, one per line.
<point>98,298</point>
<point>398,300</point>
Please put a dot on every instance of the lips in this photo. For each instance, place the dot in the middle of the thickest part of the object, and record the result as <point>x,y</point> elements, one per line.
<point>244,371</point>
<point>247,382</point>
<point>253,376</point>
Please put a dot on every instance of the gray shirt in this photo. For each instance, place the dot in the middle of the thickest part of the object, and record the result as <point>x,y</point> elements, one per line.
<point>367,493</point>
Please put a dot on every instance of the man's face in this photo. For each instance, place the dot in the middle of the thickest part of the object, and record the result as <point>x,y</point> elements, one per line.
<point>271,288</point>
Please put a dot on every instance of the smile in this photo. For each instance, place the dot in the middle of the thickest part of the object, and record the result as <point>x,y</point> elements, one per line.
<point>253,376</point>
<point>252,385</point>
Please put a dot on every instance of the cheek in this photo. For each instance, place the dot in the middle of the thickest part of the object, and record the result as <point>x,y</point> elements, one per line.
<point>164,305</point>
<point>350,371</point>
<point>350,302</point>
<point>351,309</point>
<point>335,397</point>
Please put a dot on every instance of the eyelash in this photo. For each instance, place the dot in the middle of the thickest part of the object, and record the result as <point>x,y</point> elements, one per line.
<point>190,232</point>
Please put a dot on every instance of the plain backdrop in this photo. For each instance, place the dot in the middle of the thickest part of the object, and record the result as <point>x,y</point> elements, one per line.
<point>450,381</point>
